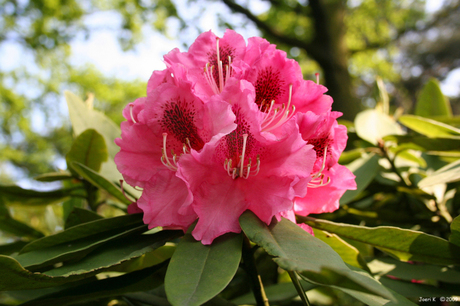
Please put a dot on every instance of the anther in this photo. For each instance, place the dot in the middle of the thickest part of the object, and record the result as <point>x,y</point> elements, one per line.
<point>317,78</point>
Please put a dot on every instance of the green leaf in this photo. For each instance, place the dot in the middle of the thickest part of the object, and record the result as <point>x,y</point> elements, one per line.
<point>296,250</point>
<point>447,174</point>
<point>79,216</point>
<point>414,271</point>
<point>198,272</point>
<point>431,101</point>
<point>15,195</point>
<point>372,125</point>
<point>138,281</point>
<point>365,169</point>
<point>9,248</point>
<point>114,253</point>
<point>73,250</point>
<point>17,228</point>
<point>428,144</point>
<point>83,118</point>
<point>429,127</point>
<point>15,277</point>
<point>99,181</point>
<point>373,300</point>
<point>277,293</point>
<point>89,149</point>
<point>455,231</point>
<point>54,176</point>
<point>77,241</point>
<point>402,243</point>
<point>414,290</point>
<point>349,253</point>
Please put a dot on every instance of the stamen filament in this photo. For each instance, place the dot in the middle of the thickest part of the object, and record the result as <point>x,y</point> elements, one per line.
<point>131,106</point>
<point>242,170</point>
<point>317,78</point>
<point>279,116</point>
<point>165,159</point>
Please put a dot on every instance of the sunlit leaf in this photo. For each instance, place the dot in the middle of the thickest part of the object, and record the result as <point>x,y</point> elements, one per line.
<point>431,101</point>
<point>448,173</point>
<point>427,144</point>
<point>54,176</point>
<point>12,226</point>
<point>349,253</point>
<point>114,253</point>
<point>99,181</point>
<point>296,250</point>
<point>429,127</point>
<point>402,243</point>
<point>455,231</point>
<point>197,272</point>
<point>372,125</point>
<point>138,281</point>
<point>365,169</point>
<point>15,195</point>
<point>79,215</point>
<point>89,149</point>
<point>414,271</point>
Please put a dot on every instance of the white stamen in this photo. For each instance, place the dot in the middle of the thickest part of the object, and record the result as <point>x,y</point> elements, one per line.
<point>245,139</point>
<point>138,188</point>
<point>317,179</point>
<point>317,78</point>
<point>218,85</point>
<point>131,106</point>
<point>242,170</point>
<point>279,116</point>
<point>165,159</point>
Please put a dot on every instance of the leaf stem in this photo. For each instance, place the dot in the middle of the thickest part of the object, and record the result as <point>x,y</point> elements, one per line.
<point>250,268</point>
<point>299,288</point>
<point>384,151</point>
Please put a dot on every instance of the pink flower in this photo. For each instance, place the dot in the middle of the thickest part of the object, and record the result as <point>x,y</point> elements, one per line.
<point>245,169</point>
<point>227,128</point>
<point>329,179</point>
<point>160,129</point>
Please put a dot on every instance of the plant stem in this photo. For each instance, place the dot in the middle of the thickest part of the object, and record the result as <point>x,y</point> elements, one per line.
<point>250,268</point>
<point>384,151</point>
<point>299,288</point>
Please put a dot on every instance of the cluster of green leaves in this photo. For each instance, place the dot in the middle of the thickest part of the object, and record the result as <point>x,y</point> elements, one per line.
<point>392,240</point>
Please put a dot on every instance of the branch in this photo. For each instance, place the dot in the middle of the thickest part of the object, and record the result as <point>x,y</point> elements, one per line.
<point>268,29</point>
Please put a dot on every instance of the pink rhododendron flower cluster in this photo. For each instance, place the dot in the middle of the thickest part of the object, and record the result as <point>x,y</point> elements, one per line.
<point>229,127</point>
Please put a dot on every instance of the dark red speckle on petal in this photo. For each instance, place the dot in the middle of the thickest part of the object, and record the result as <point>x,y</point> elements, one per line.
<point>268,86</point>
<point>178,120</point>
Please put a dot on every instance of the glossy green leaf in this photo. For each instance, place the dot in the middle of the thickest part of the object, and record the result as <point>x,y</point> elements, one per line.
<point>429,127</point>
<point>197,272</point>
<point>147,260</point>
<point>411,157</point>
<point>114,253</point>
<point>447,174</point>
<point>54,176</point>
<point>15,277</point>
<point>365,169</point>
<point>349,253</point>
<point>372,125</point>
<point>9,248</point>
<point>138,281</point>
<point>373,300</point>
<point>431,101</point>
<point>455,231</point>
<point>79,216</point>
<point>99,181</point>
<point>296,250</point>
<point>415,290</point>
<point>277,293</point>
<point>83,118</point>
<point>414,271</point>
<point>89,149</point>
<point>17,228</point>
<point>402,243</point>
<point>72,249</point>
<point>15,195</point>
<point>428,144</point>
